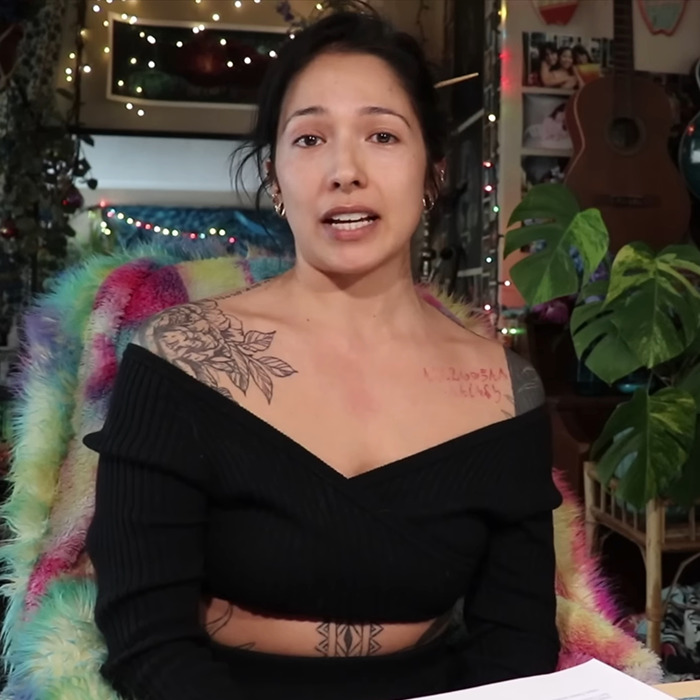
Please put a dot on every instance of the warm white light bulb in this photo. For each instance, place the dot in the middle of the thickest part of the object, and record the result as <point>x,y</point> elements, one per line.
<point>222,42</point>
<point>87,69</point>
<point>133,19</point>
<point>151,39</point>
<point>319,6</point>
<point>105,23</point>
<point>120,83</point>
<point>179,44</point>
<point>96,8</point>
<point>140,113</point>
<point>129,105</point>
<point>273,54</point>
<point>216,17</point>
<point>238,4</point>
<point>142,35</point>
<point>151,64</point>
<point>139,89</point>
<point>230,64</point>
<point>69,71</point>
<point>247,60</point>
<point>71,55</point>
<point>132,60</point>
<point>492,118</point>
<point>106,49</point>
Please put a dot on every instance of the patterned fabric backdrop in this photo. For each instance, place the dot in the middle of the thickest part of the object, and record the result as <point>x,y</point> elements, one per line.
<point>236,229</point>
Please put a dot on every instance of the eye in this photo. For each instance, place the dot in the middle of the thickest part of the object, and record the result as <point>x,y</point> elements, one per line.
<point>384,137</point>
<point>307,141</point>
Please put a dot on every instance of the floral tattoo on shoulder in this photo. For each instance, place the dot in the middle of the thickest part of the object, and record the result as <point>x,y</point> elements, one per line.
<point>206,343</point>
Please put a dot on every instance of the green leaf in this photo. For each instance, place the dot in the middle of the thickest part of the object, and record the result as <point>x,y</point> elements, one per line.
<point>654,434</point>
<point>550,273</point>
<point>686,490</point>
<point>660,312</point>
<point>598,342</point>
<point>690,383</point>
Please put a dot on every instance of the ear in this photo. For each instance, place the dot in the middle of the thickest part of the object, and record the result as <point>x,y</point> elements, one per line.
<point>439,175</point>
<point>273,187</point>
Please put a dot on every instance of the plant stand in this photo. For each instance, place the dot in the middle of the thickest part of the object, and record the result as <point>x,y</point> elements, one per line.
<point>651,530</point>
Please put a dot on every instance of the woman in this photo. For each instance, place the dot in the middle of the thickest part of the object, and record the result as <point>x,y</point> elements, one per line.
<point>324,487</point>
<point>548,59</point>
<point>562,73</point>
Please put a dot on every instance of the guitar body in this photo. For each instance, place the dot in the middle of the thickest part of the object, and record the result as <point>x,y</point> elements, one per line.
<point>621,164</point>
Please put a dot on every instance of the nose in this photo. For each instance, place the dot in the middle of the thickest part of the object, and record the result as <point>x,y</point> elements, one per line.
<point>347,171</point>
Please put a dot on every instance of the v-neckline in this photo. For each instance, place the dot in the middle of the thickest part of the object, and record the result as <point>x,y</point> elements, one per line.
<point>426,455</point>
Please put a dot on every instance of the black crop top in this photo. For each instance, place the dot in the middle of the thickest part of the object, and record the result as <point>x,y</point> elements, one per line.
<point>196,495</point>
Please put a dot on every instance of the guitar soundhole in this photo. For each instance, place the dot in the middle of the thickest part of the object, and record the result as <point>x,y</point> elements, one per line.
<point>625,134</point>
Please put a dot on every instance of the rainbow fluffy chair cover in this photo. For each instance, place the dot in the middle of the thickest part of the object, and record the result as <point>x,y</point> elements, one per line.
<point>75,336</point>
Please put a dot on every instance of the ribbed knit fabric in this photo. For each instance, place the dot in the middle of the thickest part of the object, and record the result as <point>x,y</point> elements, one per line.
<point>197,496</point>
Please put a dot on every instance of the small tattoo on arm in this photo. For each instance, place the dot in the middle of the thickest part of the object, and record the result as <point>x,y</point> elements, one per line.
<point>348,640</point>
<point>206,343</point>
<point>528,392</point>
<point>218,623</point>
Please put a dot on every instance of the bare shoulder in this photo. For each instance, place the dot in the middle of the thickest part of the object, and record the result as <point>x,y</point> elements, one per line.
<point>215,342</point>
<point>528,391</point>
<point>519,378</point>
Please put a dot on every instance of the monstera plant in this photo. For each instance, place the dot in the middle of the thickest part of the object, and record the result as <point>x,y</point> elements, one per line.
<point>645,316</point>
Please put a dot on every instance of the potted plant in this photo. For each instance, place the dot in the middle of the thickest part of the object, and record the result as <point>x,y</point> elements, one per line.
<point>645,316</point>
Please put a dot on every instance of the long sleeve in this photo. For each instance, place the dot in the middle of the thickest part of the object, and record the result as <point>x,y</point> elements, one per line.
<point>510,614</point>
<point>511,617</point>
<point>146,544</point>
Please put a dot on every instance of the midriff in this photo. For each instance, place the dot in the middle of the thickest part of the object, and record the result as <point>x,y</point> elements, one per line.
<point>230,625</point>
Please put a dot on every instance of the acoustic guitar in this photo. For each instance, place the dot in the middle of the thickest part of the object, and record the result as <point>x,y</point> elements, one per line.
<point>689,149</point>
<point>619,127</point>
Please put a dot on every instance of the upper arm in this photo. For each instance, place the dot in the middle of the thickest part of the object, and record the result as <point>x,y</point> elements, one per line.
<point>526,385</point>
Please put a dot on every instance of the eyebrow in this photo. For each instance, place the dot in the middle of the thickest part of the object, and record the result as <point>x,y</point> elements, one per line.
<point>317,109</point>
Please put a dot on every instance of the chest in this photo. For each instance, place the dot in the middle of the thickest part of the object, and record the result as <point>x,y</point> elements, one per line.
<point>358,415</point>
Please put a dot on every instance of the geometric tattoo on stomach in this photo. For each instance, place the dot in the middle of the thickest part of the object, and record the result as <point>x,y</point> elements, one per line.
<point>348,640</point>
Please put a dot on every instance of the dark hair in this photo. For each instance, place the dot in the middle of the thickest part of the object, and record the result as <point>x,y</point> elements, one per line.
<point>547,46</point>
<point>580,50</point>
<point>345,32</point>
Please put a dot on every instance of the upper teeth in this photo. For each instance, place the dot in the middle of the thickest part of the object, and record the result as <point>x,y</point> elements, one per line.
<point>356,216</point>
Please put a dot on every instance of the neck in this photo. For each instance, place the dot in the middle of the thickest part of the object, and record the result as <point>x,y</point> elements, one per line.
<point>356,309</point>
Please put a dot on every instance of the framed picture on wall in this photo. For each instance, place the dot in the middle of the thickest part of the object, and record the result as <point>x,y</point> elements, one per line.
<point>544,123</point>
<point>563,62</point>
<point>173,78</point>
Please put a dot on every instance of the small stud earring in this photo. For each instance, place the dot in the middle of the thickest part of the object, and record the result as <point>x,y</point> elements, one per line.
<point>428,203</point>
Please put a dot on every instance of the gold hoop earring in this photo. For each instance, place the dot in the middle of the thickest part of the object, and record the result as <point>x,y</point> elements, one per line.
<point>428,203</point>
<point>279,208</point>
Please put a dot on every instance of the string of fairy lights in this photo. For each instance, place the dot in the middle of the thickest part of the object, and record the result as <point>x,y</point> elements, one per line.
<point>96,44</point>
<point>113,213</point>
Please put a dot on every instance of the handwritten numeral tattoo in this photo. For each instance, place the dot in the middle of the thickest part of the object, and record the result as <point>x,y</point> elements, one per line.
<point>207,343</point>
<point>348,640</point>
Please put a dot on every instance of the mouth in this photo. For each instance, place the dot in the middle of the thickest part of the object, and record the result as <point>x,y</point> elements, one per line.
<point>350,220</point>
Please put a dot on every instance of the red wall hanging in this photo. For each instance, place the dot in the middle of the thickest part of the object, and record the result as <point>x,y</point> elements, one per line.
<point>662,16</point>
<point>555,11</point>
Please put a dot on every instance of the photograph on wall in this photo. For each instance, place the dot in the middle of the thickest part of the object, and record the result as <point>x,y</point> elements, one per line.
<point>171,63</point>
<point>537,170</point>
<point>544,123</point>
<point>563,62</point>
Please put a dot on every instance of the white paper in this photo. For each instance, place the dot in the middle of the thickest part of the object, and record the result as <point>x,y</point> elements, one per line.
<point>592,680</point>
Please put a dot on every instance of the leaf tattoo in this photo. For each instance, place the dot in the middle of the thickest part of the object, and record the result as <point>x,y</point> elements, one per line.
<point>202,340</point>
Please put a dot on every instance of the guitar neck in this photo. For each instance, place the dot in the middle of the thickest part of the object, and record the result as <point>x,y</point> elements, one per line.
<point>623,38</point>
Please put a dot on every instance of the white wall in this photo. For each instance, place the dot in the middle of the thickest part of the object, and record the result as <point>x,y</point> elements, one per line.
<point>593,18</point>
<point>143,170</point>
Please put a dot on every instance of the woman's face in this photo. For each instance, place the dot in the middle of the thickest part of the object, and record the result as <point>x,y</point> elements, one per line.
<point>350,164</point>
<point>550,57</point>
<point>566,59</point>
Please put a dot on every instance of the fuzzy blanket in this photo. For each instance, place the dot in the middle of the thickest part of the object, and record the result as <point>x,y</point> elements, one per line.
<point>74,338</point>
